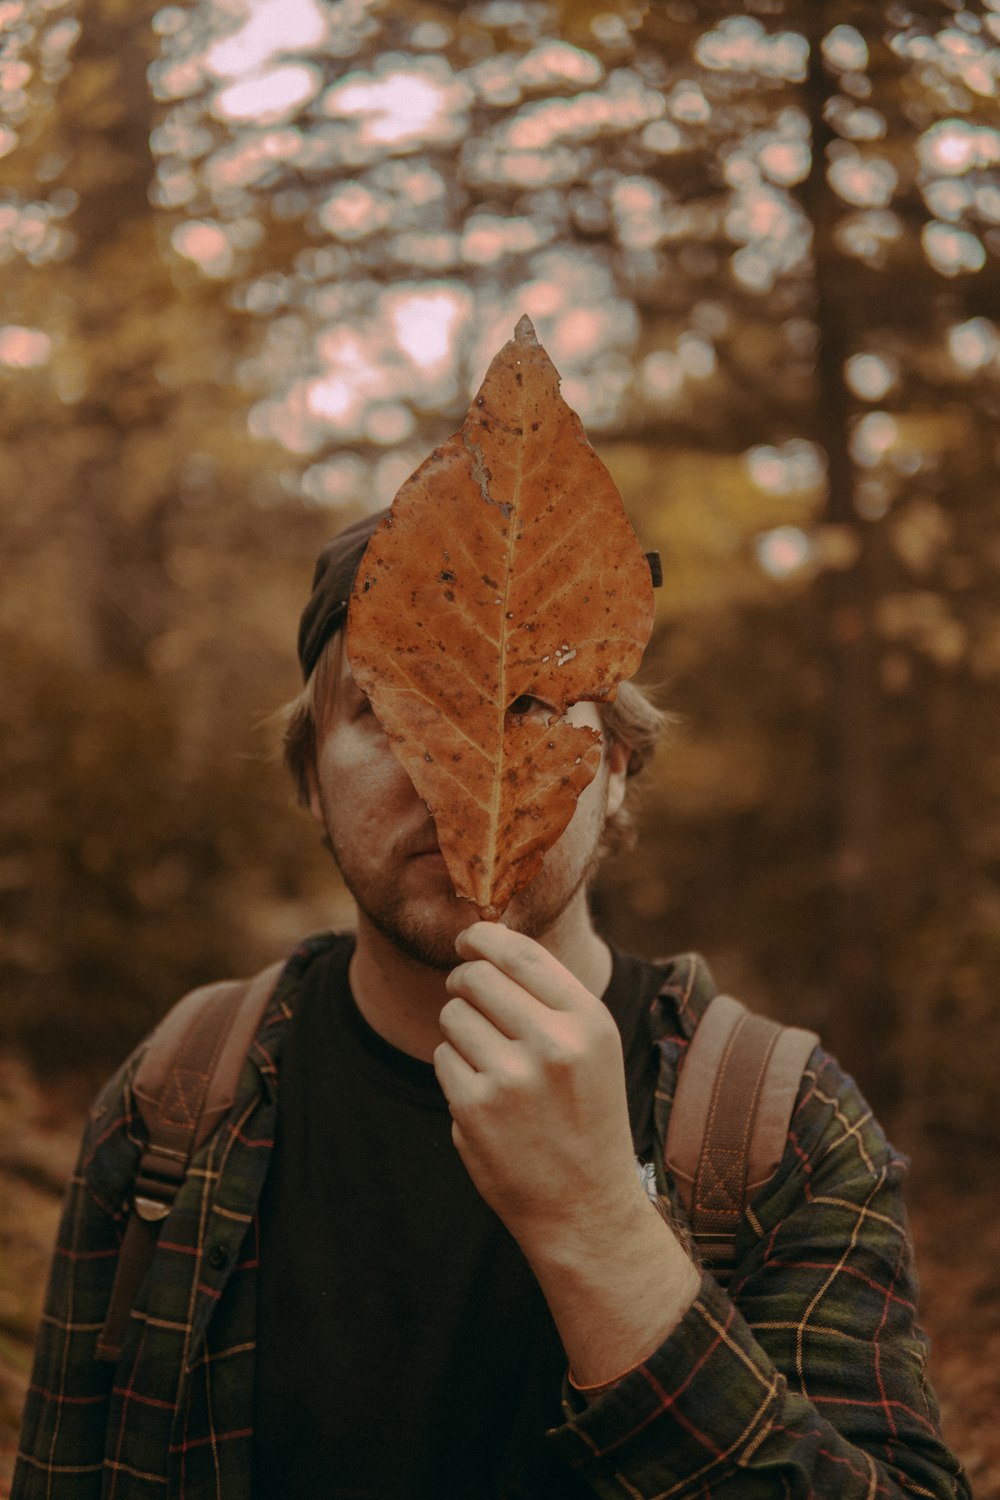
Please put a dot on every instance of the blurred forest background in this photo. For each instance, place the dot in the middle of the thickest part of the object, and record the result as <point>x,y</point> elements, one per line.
<point>254,258</point>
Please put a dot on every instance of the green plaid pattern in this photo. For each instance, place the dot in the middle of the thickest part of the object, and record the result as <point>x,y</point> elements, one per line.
<point>806,1378</point>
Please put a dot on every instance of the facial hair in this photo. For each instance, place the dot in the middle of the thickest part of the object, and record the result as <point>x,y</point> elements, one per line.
<point>425,929</point>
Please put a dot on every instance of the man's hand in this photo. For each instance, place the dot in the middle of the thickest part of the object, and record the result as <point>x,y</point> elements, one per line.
<point>531,1066</point>
<point>532,1069</point>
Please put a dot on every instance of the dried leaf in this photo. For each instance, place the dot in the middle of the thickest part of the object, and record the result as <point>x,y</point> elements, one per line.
<point>507,566</point>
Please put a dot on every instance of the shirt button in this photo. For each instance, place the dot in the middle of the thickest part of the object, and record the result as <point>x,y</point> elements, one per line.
<point>218,1255</point>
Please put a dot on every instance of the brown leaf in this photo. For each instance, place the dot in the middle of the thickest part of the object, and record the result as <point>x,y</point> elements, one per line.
<point>507,566</point>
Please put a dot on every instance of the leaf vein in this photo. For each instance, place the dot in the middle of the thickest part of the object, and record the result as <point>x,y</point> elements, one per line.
<point>414,690</point>
<point>543,557</point>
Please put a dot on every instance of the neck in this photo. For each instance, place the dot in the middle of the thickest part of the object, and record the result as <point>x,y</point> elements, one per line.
<point>401,998</point>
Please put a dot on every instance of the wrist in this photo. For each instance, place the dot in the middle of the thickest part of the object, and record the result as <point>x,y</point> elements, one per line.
<point>616,1293</point>
<point>597,1388</point>
<point>575,1234</point>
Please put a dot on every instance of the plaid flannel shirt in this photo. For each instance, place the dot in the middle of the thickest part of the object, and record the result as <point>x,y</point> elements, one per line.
<point>806,1378</point>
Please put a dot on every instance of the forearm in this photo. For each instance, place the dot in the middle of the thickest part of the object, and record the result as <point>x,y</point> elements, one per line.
<point>616,1287</point>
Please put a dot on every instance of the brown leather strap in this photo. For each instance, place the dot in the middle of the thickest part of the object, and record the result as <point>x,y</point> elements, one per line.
<point>730,1117</point>
<point>184,1087</point>
<point>134,1256</point>
<point>789,1056</point>
<point>187,1080</point>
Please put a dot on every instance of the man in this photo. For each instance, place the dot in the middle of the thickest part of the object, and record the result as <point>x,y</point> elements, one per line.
<point>418,1260</point>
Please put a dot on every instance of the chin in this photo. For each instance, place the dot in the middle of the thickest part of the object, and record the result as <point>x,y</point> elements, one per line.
<point>423,918</point>
<point>424,928</point>
<point>430,945</point>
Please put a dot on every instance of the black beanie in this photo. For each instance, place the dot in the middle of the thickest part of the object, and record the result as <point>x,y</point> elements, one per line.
<point>336,570</point>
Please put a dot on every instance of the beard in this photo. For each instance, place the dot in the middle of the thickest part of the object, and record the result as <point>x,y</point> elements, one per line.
<point>424,923</point>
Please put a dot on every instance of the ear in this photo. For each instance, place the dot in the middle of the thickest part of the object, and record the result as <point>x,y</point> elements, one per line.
<point>618,758</point>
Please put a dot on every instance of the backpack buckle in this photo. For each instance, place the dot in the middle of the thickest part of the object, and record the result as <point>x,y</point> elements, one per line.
<point>150,1209</point>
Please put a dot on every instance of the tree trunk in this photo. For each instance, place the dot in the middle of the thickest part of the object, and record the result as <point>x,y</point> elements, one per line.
<point>859,1026</point>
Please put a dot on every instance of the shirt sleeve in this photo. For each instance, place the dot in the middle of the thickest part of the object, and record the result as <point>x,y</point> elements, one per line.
<point>808,1376</point>
<point>61,1451</point>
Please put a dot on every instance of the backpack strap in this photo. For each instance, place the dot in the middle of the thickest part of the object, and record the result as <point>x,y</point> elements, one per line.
<point>184,1087</point>
<point>729,1122</point>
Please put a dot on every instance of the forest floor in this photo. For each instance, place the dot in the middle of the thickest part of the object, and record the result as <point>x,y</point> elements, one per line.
<point>955,1223</point>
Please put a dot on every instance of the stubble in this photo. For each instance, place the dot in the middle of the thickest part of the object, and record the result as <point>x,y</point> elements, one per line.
<point>424,924</point>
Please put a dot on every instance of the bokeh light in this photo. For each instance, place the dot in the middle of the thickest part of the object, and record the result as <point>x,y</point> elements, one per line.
<point>23,348</point>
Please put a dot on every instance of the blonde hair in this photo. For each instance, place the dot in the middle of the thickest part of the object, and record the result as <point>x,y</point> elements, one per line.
<point>632,720</point>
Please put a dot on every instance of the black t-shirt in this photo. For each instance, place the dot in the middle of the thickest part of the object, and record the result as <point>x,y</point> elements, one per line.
<point>404,1349</point>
